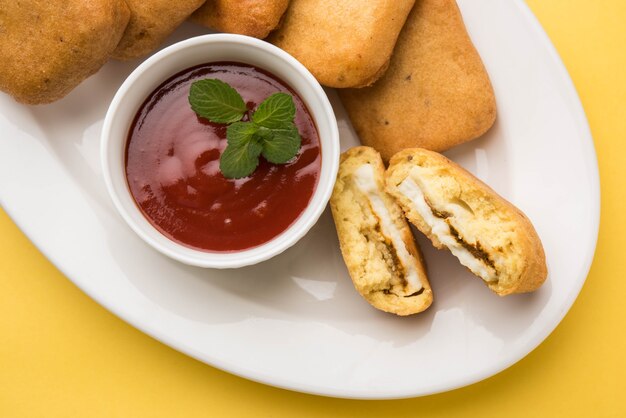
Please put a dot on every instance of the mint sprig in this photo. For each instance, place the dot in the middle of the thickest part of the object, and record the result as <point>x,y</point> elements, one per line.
<point>271,131</point>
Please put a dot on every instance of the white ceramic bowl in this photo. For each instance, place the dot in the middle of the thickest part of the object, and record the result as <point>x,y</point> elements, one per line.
<point>178,57</point>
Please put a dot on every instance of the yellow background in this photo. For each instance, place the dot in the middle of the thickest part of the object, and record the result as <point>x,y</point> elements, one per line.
<point>62,355</point>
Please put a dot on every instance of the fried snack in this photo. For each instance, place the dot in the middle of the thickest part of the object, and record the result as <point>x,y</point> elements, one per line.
<point>344,43</point>
<point>48,47</point>
<point>151,21</point>
<point>247,17</point>
<point>376,242</point>
<point>489,236</point>
<point>436,93</point>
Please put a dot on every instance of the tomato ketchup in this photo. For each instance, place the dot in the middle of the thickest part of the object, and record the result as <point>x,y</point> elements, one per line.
<point>172,166</point>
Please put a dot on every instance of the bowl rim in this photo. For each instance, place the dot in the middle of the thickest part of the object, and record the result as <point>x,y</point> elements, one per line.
<point>320,110</point>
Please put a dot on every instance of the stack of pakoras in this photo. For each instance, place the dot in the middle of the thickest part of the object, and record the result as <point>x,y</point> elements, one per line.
<point>414,79</point>
<point>408,72</point>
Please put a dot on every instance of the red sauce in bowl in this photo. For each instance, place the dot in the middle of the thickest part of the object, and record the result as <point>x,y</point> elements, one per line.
<point>172,166</point>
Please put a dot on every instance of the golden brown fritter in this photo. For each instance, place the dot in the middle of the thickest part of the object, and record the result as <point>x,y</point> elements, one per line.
<point>458,212</point>
<point>48,47</point>
<point>344,43</point>
<point>247,17</point>
<point>436,93</point>
<point>376,242</point>
<point>151,21</point>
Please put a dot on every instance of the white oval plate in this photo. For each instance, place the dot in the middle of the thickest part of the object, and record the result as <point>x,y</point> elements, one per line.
<point>295,321</point>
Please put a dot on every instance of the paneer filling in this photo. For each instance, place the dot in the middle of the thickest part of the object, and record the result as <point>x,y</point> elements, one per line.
<point>471,255</point>
<point>365,180</point>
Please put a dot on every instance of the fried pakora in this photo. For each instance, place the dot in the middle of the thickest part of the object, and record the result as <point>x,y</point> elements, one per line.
<point>151,21</point>
<point>344,43</point>
<point>48,47</point>
<point>247,17</point>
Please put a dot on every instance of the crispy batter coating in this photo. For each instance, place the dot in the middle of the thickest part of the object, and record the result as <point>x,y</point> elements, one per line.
<point>488,235</point>
<point>388,279</point>
<point>48,47</point>
<point>344,43</point>
<point>151,21</point>
<point>247,17</point>
<point>436,93</point>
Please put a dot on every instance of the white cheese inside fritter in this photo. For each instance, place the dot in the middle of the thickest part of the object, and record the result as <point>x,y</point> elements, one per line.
<point>366,182</point>
<point>441,229</point>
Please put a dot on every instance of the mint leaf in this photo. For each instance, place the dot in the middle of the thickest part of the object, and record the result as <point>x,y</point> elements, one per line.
<point>239,161</point>
<point>241,156</point>
<point>283,145</point>
<point>275,111</point>
<point>216,101</point>
<point>239,133</point>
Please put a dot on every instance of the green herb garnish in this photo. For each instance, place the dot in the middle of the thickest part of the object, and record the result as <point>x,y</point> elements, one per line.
<point>216,101</point>
<point>271,131</point>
